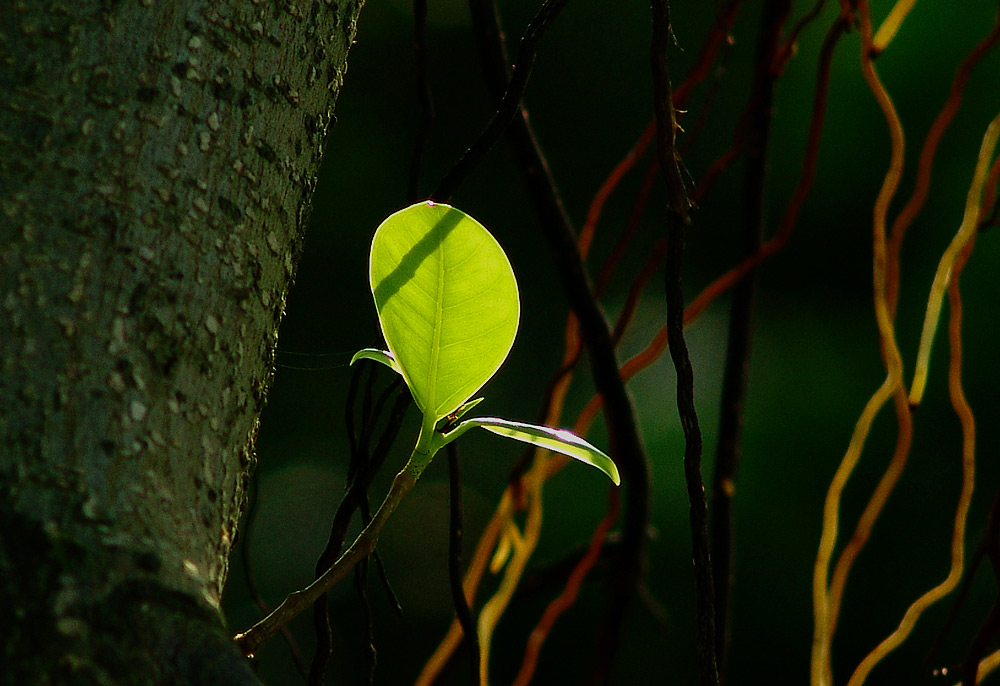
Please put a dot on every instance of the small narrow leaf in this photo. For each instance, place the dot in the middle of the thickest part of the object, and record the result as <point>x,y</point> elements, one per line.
<point>380,356</point>
<point>464,408</point>
<point>450,421</point>
<point>557,440</point>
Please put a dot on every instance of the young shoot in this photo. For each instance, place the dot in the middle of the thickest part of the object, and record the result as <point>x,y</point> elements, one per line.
<point>448,305</point>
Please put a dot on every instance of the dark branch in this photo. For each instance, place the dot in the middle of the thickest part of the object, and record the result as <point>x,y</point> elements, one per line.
<point>362,470</point>
<point>757,122</point>
<point>677,220</point>
<point>426,104</point>
<point>626,444</point>
<point>462,609</point>
<point>510,104</point>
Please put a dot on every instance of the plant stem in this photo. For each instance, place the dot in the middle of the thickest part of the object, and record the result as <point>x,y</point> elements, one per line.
<point>678,205</point>
<point>626,442</point>
<point>758,123</point>
<point>510,104</point>
<point>363,546</point>
<point>425,118</point>
<point>364,465</point>
<point>462,609</point>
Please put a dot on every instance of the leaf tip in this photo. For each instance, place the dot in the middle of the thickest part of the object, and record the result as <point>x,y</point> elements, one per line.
<point>381,356</point>
<point>613,474</point>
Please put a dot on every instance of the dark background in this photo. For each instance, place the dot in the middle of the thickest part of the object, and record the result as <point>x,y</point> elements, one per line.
<point>815,360</point>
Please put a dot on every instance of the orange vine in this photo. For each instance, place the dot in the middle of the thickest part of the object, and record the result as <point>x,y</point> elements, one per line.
<point>568,596</point>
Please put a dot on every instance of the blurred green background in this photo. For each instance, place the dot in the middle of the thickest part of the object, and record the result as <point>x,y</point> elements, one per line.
<point>815,355</point>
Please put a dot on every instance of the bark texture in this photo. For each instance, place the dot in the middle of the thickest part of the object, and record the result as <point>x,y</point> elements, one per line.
<point>158,158</point>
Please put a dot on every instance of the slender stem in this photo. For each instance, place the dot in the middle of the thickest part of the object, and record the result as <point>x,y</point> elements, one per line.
<point>677,219</point>
<point>338,529</point>
<point>363,546</point>
<point>365,464</point>
<point>626,442</point>
<point>510,104</point>
<point>426,117</point>
<point>698,506</point>
<point>734,385</point>
<point>970,222</point>
<point>462,609</point>
<point>823,628</point>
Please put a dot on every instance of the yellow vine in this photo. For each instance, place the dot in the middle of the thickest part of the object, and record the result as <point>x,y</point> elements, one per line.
<point>946,278</point>
<point>964,412</point>
<point>970,222</point>
<point>986,665</point>
<point>887,31</point>
<point>823,610</point>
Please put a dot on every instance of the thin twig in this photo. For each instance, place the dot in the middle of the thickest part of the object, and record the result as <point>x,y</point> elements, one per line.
<point>677,220</point>
<point>949,268</point>
<point>925,163</point>
<point>568,596</point>
<point>550,577</point>
<point>758,120</point>
<point>321,610</point>
<point>366,516</point>
<point>824,613</point>
<point>787,49</point>
<point>363,546</point>
<point>462,609</point>
<point>626,444</point>
<point>362,475</point>
<point>717,37</point>
<point>806,177</point>
<point>425,102</point>
<point>509,106</point>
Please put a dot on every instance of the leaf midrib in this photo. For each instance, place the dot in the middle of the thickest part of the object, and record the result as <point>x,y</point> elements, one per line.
<point>436,336</point>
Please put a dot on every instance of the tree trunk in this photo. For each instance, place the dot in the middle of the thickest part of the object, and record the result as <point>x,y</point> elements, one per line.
<point>158,158</point>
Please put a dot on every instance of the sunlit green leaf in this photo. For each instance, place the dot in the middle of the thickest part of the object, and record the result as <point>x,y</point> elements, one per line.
<point>557,440</point>
<point>380,356</point>
<point>447,301</point>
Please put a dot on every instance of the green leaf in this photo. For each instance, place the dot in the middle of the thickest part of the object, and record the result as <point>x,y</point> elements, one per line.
<point>380,356</point>
<point>558,440</point>
<point>447,302</point>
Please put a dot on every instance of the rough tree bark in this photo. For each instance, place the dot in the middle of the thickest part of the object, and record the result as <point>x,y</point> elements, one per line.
<point>157,159</point>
